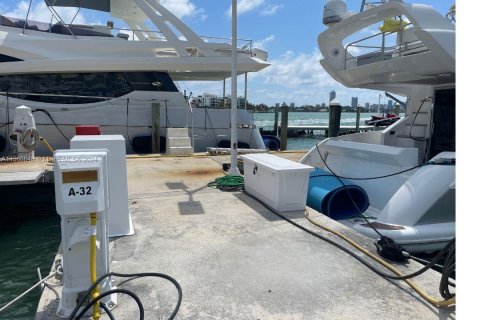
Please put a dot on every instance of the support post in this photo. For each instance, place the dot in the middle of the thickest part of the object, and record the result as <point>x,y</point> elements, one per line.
<point>233,171</point>
<point>284,128</point>
<point>275,124</point>
<point>397,109</point>
<point>224,101</point>
<point>334,118</point>
<point>155,127</point>
<point>245,90</point>
<point>357,123</point>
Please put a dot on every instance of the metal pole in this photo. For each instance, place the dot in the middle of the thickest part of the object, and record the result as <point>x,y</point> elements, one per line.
<point>233,171</point>
<point>245,95</point>
<point>275,124</point>
<point>26,18</point>
<point>284,128</point>
<point>155,127</point>
<point>224,101</point>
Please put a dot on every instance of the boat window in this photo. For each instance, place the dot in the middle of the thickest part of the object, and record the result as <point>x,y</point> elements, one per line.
<point>151,81</point>
<point>78,88</point>
<point>5,58</point>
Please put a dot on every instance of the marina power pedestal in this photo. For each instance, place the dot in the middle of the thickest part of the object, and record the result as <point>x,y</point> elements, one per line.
<point>118,215</point>
<point>81,189</point>
<point>25,132</point>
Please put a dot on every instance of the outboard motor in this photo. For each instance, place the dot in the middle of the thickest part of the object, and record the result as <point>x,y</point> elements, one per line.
<point>25,135</point>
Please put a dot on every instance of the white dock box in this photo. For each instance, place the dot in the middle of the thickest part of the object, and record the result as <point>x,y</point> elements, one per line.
<point>278,183</point>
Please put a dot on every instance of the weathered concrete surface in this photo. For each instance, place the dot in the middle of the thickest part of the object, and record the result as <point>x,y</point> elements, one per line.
<point>13,172</point>
<point>235,259</point>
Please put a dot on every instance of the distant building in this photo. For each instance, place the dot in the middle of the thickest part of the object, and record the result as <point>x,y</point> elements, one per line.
<point>367,106</point>
<point>209,100</point>
<point>354,104</point>
<point>390,105</point>
<point>333,95</point>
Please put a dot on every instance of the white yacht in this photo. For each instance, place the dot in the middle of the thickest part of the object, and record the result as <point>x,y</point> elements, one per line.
<point>71,74</point>
<point>408,169</point>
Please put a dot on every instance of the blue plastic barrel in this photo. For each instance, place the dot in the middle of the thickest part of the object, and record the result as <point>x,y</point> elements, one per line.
<point>334,198</point>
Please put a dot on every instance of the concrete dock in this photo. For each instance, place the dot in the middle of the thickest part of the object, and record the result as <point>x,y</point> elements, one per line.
<point>15,172</point>
<point>235,259</point>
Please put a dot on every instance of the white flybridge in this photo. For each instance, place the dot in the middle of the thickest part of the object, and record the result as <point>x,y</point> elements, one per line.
<point>71,74</point>
<point>412,55</point>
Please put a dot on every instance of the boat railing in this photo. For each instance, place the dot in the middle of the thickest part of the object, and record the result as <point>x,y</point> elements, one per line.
<point>405,44</point>
<point>100,98</point>
<point>451,14</point>
<point>366,4</point>
<point>378,123</point>
<point>244,46</point>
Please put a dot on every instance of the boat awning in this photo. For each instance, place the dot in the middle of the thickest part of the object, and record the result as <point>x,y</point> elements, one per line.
<point>100,5</point>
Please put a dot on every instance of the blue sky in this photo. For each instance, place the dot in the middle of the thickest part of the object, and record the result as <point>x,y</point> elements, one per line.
<point>287,29</point>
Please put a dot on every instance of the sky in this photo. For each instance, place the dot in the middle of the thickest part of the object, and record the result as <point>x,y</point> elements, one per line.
<point>287,29</point>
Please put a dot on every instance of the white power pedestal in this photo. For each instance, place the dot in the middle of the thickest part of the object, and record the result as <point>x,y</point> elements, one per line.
<point>119,219</point>
<point>81,188</point>
<point>26,133</point>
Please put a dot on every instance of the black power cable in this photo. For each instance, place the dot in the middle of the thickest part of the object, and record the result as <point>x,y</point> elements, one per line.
<point>350,196</point>
<point>107,293</point>
<point>447,249</point>
<point>131,294</point>
<point>53,121</point>
<point>386,246</point>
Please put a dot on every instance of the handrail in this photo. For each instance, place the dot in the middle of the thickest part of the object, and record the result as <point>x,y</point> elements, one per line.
<point>377,122</point>
<point>246,48</point>
<point>364,2</point>
<point>107,99</point>
<point>57,16</point>
<point>382,49</point>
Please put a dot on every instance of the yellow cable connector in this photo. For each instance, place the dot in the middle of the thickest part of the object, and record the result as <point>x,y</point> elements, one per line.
<point>42,139</point>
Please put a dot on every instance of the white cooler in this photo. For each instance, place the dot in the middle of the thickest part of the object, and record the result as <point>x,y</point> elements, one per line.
<point>278,183</point>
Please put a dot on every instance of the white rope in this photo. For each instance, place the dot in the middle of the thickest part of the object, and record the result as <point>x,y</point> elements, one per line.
<point>26,292</point>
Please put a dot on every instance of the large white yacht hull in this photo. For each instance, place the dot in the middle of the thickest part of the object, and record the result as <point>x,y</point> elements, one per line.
<point>131,117</point>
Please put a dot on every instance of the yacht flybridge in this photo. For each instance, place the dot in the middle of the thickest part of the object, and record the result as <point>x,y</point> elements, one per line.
<point>71,74</point>
<point>408,169</point>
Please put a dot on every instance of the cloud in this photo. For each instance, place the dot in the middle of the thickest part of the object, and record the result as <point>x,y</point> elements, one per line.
<point>244,6</point>
<point>182,8</point>
<point>295,69</point>
<point>39,12</point>
<point>262,44</point>
<point>270,9</point>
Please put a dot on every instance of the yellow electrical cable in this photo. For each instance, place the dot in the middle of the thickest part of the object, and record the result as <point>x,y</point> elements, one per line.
<point>93,264</point>
<point>439,303</point>
<point>47,144</point>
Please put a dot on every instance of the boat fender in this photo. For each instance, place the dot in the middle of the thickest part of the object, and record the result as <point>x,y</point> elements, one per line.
<point>335,197</point>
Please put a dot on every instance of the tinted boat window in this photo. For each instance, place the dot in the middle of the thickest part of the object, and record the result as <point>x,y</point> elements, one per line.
<point>78,88</point>
<point>151,81</point>
<point>5,58</point>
